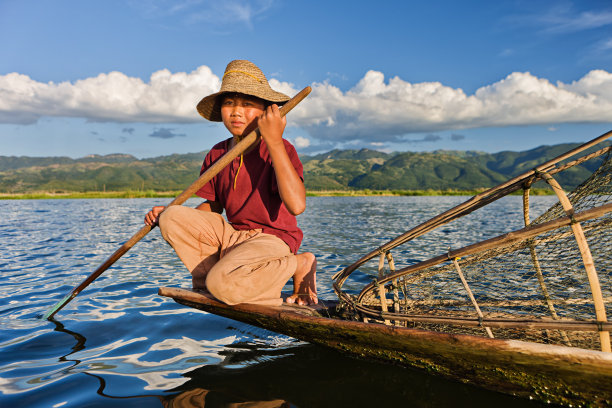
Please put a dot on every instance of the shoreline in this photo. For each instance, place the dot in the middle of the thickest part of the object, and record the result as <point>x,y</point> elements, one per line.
<point>309,193</point>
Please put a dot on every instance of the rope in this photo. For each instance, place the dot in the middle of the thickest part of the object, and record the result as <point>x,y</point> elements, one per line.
<point>238,171</point>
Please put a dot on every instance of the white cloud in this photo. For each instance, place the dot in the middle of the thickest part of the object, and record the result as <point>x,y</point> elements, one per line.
<point>374,110</point>
<point>600,49</point>
<point>217,14</point>
<point>112,97</point>
<point>385,111</point>
<point>301,142</point>
<point>605,45</point>
<point>564,19</point>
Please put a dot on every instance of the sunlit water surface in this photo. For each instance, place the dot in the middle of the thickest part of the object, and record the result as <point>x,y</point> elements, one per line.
<point>120,344</point>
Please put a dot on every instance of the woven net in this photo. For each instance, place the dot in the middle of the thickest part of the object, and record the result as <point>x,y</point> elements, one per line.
<point>527,286</point>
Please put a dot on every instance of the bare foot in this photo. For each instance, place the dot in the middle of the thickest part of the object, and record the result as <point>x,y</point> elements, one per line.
<point>305,281</point>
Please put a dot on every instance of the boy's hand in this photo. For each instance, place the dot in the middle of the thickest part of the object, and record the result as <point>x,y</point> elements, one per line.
<point>271,125</point>
<point>152,216</point>
<point>290,185</point>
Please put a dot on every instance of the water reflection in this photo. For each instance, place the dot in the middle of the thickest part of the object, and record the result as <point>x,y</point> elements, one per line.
<point>311,376</point>
<point>199,398</point>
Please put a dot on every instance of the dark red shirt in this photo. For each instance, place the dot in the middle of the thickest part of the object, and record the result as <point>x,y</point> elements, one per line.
<point>255,203</point>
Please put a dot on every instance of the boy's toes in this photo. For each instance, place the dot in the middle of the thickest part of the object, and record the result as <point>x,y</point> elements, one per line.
<point>303,300</point>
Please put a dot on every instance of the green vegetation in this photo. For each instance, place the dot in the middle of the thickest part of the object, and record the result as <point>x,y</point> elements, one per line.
<point>338,172</point>
<point>90,194</point>
<point>366,192</point>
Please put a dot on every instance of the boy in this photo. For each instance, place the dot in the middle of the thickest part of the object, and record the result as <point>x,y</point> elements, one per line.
<point>249,259</point>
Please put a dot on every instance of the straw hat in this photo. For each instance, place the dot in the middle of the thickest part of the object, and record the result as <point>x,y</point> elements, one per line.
<point>244,77</point>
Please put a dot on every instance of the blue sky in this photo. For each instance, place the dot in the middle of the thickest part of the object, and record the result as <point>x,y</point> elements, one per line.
<point>83,77</point>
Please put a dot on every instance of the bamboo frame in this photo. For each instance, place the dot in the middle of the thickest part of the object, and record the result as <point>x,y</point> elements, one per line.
<point>471,296</point>
<point>499,303</point>
<point>580,160</point>
<point>569,325</point>
<point>391,263</point>
<point>536,263</point>
<point>381,288</point>
<point>587,259</point>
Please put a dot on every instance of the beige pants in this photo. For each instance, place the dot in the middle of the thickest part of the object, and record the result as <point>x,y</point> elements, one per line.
<point>234,266</point>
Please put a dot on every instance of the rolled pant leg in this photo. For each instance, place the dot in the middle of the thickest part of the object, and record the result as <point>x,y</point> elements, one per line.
<point>253,271</point>
<point>235,266</point>
<point>196,236</point>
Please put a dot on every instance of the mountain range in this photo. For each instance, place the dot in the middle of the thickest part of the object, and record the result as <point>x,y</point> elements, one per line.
<point>334,170</point>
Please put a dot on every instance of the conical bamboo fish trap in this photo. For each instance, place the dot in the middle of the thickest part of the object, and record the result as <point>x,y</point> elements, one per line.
<point>549,282</point>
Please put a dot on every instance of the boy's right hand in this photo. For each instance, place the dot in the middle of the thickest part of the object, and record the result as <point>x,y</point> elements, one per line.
<point>152,217</point>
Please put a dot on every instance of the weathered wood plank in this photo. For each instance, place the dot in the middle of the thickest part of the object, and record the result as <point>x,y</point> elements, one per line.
<point>558,374</point>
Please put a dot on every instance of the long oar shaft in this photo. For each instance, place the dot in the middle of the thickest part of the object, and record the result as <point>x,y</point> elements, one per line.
<point>211,172</point>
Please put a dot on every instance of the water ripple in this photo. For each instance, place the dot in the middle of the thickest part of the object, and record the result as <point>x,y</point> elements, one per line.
<point>118,332</point>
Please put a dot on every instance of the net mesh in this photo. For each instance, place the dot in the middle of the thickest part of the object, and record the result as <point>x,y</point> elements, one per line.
<point>540,278</point>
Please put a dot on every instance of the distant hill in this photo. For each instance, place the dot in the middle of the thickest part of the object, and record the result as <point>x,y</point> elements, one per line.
<point>334,170</point>
<point>115,172</point>
<point>414,171</point>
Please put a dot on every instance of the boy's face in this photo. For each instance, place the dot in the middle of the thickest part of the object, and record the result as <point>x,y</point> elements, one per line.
<point>238,111</point>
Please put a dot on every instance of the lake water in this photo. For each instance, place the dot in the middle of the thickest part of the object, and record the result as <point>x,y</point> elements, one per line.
<point>120,344</point>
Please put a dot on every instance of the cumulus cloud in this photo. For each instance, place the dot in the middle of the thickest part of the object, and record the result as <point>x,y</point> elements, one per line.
<point>376,109</point>
<point>385,110</point>
<point>301,142</point>
<point>165,133</point>
<point>115,97</point>
<point>320,148</point>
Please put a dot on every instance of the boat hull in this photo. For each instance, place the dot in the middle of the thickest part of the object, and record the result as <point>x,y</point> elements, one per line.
<point>550,373</point>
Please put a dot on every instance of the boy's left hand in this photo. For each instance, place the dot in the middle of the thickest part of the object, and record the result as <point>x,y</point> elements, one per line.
<point>271,125</point>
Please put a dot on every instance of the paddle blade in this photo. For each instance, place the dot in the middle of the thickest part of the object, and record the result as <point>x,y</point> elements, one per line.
<point>58,306</point>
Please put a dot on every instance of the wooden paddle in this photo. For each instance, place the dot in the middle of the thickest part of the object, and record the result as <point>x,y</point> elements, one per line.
<point>212,171</point>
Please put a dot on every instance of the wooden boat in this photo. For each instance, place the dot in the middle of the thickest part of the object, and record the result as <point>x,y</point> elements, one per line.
<point>523,313</point>
<point>559,374</point>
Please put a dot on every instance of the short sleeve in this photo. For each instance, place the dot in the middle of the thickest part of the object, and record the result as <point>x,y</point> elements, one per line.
<point>295,161</point>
